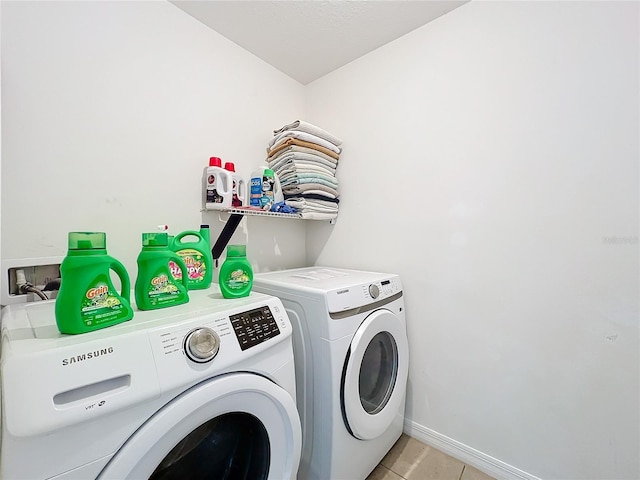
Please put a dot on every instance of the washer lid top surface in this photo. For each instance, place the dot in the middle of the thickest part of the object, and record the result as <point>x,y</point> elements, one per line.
<point>36,321</point>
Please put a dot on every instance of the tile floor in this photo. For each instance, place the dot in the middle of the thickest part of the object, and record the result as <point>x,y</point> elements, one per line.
<point>410,459</point>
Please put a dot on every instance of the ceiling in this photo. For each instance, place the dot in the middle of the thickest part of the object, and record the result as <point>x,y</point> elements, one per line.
<point>306,39</point>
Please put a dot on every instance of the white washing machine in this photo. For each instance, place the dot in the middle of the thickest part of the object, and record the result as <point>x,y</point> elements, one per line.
<point>352,361</point>
<point>201,390</point>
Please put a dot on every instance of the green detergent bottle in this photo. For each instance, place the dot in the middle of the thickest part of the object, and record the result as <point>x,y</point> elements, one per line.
<point>196,255</point>
<point>87,299</point>
<point>236,274</point>
<point>155,285</point>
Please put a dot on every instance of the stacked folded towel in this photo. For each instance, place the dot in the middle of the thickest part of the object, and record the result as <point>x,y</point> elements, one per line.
<point>305,158</point>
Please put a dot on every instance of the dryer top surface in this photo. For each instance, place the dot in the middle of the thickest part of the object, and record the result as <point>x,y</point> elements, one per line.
<point>339,289</point>
<point>321,279</point>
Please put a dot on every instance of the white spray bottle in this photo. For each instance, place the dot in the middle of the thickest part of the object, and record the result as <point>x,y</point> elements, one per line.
<point>239,190</point>
<point>217,185</point>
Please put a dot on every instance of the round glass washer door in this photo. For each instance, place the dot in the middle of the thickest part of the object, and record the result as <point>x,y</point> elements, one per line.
<point>208,413</point>
<point>375,376</point>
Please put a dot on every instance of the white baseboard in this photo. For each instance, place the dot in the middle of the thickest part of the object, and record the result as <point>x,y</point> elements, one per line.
<point>483,462</point>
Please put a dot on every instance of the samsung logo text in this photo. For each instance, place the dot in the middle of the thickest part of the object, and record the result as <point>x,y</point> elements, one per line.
<point>87,356</point>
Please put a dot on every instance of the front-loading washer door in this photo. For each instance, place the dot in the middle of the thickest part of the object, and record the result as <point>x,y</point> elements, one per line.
<point>374,377</point>
<point>236,426</point>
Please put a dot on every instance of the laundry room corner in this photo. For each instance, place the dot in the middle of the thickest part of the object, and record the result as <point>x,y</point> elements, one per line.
<point>476,297</point>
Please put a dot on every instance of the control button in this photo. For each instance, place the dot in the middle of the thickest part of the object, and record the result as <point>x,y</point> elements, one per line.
<point>374,291</point>
<point>201,344</point>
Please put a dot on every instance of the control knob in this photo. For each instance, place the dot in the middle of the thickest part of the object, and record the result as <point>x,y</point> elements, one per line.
<point>201,344</point>
<point>374,291</point>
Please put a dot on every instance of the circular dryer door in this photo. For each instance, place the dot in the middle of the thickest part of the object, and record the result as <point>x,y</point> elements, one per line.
<point>237,426</point>
<point>375,375</point>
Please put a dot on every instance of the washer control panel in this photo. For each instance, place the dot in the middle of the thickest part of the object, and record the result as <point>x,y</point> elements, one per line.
<point>254,326</point>
<point>201,344</point>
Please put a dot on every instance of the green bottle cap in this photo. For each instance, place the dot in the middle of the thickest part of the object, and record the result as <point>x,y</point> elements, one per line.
<point>87,240</point>
<point>236,250</point>
<point>155,239</point>
<point>268,172</point>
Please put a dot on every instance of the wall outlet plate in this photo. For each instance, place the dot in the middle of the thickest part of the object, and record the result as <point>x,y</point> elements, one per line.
<point>38,271</point>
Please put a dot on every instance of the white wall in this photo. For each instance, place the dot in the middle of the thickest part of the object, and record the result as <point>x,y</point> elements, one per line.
<point>1,282</point>
<point>491,159</point>
<point>111,111</point>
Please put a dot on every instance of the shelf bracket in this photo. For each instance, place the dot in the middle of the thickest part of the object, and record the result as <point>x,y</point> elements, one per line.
<point>235,216</point>
<point>225,235</point>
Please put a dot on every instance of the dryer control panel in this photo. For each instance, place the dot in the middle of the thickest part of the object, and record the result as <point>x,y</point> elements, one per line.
<point>363,294</point>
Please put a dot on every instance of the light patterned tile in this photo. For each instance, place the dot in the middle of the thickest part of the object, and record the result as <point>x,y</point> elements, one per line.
<point>436,466</point>
<point>471,473</point>
<point>405,455</point>
<point>383,473</point>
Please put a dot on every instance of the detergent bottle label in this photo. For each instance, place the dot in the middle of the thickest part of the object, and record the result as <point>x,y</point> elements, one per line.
<point>195,263</point>
<point>100,304</point>
<point>212,192</point>
<point>235,200</point>
<point>162,288</point>
<point>267,191</point>
<point>256,191</point>
<point>238,279</point>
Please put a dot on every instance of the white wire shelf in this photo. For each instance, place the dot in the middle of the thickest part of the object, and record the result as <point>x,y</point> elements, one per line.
<point>255,213</point>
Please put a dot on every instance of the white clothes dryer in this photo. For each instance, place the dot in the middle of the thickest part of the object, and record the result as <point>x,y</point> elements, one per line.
<point>352,360</point>
<point>201,390</point>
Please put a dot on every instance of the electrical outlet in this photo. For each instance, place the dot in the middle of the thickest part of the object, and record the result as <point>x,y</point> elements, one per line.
<point>40,272</point>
